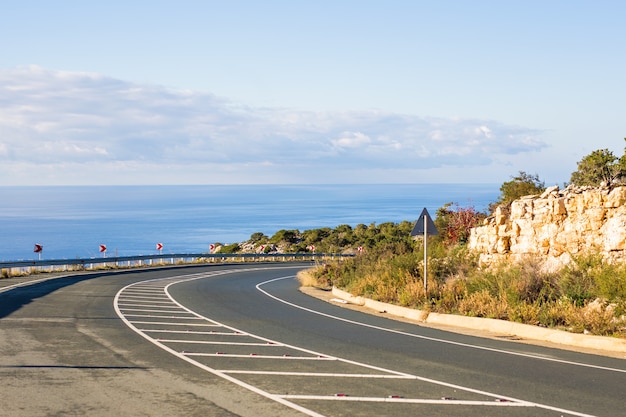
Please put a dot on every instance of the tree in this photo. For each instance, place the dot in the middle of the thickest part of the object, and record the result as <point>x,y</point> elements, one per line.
<point>519,186</point>
<point>286,236</point>
<point>257,237</point>
<point>599,167</point>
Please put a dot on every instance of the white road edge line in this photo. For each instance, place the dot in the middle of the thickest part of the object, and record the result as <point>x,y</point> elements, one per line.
<point>544,406</point>
<point>433,339</point>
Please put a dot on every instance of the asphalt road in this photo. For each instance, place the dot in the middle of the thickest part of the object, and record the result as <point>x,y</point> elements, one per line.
<point>218,341</point>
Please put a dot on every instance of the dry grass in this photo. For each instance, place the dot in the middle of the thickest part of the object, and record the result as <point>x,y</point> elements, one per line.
<point>308,279</point>
<point>588,297</point>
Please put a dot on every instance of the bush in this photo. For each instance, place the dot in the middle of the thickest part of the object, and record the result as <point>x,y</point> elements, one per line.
<point>600,166</point>
<point>455,225</point>
<point>576,281</point>
<point>483,304</point>
<point>520,185</point>
<point>232,248</point>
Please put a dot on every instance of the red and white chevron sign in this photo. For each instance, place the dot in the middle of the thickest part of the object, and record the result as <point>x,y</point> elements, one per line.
<point>38,248</point>
<point>103,248</point>
<point>159,246</point>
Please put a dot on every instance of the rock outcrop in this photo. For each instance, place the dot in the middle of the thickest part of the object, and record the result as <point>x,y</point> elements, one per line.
<point>555,226</point>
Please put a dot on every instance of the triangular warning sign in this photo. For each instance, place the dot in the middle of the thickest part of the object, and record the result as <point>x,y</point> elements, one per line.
<point>424,222</point>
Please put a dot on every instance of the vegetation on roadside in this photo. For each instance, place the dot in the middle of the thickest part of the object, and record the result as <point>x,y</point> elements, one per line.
<point>589,295</point>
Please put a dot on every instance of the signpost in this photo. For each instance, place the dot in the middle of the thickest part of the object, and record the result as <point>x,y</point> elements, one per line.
<point>103,250</point>
<point>425,226</point>
<point>38,249</point>
<point>159,247</point>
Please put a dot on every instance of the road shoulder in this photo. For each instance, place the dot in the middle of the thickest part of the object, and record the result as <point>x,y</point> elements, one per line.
<point>612,347</point>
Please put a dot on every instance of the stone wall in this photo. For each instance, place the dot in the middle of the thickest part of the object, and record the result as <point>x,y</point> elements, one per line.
<point>554,226</point>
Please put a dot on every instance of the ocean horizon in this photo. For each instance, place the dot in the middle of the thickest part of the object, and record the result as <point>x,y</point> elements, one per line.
<point>72,221</point>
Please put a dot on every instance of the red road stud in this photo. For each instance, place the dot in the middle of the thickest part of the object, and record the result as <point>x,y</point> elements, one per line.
<point>395,396</point>
<point>341,395</point>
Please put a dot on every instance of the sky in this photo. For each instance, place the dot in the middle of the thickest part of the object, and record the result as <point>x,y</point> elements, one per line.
<point>297,92</point>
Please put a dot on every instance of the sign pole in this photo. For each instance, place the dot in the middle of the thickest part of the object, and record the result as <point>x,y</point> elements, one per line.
<point>425,257</point>
<point>425,226</point>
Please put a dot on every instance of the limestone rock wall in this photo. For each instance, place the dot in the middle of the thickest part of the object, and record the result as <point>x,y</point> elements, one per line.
<point>555,226</point>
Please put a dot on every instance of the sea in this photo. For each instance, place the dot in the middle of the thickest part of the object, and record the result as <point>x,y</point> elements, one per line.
<point>73,221</point>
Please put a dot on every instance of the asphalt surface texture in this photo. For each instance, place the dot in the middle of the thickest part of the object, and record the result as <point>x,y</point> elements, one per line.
<point>241,340</point>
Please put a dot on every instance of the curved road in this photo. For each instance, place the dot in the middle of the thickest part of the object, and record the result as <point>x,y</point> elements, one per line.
<point>241,340</point>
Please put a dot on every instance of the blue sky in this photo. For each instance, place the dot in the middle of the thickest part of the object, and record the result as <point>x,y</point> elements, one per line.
<point>215,92</point>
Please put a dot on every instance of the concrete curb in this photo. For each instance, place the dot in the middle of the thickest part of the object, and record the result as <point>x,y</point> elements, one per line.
<point>492,325</point>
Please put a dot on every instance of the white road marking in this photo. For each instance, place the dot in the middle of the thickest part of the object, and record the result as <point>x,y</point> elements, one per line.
<point>309,355</point>
<point>254,356</point>
<point>316,374</point>
<point>166,323</point>
<point>155,302</point>
<point>212,342</point>
<point>402,400</point>
<point>212,332</point>
<point>433,339</point>
<point>156,309</point>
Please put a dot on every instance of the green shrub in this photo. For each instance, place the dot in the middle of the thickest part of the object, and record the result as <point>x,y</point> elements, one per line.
<point>577,280</point>
<point>232,248</point>
<point>610,281</point>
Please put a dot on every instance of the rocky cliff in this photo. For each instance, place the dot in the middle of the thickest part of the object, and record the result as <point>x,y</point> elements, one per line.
<point>554,226</point>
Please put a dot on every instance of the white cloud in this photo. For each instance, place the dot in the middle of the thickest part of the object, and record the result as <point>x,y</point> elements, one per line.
<point>55,119</point>
<point>351,140</point>
<point>484,131</point>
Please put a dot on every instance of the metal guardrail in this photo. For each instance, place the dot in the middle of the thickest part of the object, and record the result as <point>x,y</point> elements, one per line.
<point>175,258</point>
